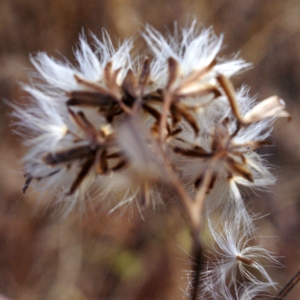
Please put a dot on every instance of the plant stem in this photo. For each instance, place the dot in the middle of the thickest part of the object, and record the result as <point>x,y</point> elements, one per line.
<point>197,265</point>
<point>290,285</point>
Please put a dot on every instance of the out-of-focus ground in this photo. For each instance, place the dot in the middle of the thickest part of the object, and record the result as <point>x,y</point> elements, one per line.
<point>96,256</point>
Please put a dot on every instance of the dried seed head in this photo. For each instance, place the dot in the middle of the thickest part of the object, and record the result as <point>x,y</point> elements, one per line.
<point>129,130</point>
<point>117,117</point>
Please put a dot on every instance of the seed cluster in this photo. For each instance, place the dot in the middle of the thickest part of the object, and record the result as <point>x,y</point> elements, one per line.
<point>124,128</point>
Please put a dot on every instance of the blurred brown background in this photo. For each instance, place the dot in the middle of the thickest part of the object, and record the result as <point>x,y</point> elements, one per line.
<point>96,256</point>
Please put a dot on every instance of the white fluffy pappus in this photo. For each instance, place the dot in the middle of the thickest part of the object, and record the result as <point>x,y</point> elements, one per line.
<point>45,123</point>
<point>193,48</point>
<point>58,76</point>
<point>233,256</point>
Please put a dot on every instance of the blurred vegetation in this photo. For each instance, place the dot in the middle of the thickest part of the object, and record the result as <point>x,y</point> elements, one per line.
<point>99,256</point>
